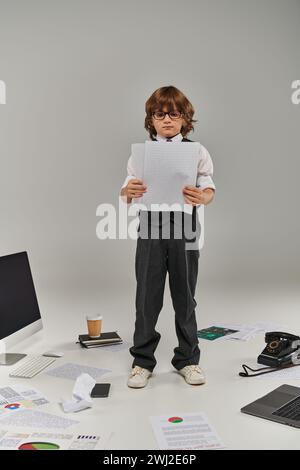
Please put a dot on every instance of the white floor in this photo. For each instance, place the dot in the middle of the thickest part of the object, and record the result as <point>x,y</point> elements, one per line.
<point>126,412</point>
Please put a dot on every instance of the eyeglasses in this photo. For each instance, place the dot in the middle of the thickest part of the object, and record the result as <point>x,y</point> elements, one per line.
<point>160,115</point>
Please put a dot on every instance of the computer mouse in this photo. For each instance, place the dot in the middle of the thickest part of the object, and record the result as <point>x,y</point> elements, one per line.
<point>53,354</point>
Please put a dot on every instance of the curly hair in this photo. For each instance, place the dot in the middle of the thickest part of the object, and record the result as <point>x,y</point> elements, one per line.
<point>173,99</point>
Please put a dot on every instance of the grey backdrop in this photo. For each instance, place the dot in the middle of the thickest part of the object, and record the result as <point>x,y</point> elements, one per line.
<point>78,74</point>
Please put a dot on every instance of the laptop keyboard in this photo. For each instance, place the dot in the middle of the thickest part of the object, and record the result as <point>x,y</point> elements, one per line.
<point>291,410</point>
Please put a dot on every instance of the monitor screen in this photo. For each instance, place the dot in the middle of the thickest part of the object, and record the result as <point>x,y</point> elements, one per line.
<point>18,302</point>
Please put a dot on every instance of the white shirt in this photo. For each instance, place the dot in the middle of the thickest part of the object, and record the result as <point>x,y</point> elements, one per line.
<point>205,165</point>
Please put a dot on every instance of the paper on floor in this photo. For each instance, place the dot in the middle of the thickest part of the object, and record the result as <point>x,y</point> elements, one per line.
<point>71,371</point>
<point>19,396</point>
<point>185,431</point>
<point>245,332</point>
<point>28,440</point>
<point>250,331</point>
<point>81,396</point>
<point>35,419</point>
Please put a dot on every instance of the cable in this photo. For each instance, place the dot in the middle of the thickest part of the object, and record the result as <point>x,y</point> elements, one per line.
<point>267,370</point>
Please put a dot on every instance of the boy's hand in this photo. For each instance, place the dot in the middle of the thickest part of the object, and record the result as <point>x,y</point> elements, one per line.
<point>135,188</point>
<point>196,196</point>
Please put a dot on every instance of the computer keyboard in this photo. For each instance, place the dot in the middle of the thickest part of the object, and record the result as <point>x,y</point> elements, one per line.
<point>32,366</point>
<point>291,410</point>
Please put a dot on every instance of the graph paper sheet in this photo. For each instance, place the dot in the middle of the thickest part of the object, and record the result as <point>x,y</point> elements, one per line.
<point>166,168</point>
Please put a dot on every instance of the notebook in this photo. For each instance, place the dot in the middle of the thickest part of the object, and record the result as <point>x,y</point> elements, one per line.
<point>105,339</point>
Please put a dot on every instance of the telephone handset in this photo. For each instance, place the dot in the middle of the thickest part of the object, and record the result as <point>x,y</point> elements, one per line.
<point>275,335</point>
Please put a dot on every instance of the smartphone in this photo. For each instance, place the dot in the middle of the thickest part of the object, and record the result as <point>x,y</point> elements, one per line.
<point>100,391</point>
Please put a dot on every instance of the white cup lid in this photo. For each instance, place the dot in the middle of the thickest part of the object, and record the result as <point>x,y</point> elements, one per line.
<point>94,317</point>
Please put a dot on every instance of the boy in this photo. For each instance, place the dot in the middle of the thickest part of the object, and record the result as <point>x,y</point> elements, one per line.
<point>169,117</point>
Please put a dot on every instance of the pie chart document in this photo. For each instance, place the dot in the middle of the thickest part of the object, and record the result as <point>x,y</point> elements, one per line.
<point>28,440</point>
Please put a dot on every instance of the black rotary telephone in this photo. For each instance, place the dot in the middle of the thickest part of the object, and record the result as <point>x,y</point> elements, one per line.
<point>282,350</point>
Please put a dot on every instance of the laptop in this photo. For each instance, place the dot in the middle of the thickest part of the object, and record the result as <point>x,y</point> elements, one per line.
<point>281,405</point>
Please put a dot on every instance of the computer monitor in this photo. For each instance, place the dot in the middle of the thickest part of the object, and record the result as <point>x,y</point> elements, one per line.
<point>19,310</point>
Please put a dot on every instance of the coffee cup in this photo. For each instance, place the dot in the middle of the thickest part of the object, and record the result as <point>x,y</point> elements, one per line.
<point>94,324</point>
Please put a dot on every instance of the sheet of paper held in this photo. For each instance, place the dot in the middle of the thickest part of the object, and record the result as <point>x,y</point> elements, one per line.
<point>168,167</point>
<point>138,155</point>
<point>81,396</point>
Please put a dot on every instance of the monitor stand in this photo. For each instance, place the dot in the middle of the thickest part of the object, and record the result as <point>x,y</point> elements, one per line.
<point>8,359</point>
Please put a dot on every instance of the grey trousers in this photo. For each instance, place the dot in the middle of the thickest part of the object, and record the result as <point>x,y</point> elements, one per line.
<point>154,258</point>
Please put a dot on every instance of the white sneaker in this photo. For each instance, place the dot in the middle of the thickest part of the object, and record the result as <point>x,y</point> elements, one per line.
<point>138,377</point>
<point>193,375</point>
